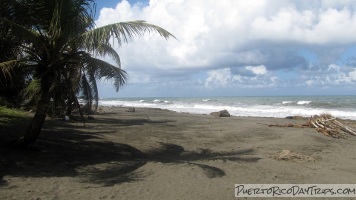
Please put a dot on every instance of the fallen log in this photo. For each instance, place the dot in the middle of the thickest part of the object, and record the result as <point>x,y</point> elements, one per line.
<point>345,128</point>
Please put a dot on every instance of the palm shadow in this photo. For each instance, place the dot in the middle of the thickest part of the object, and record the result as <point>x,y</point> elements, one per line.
<point>175,154</point>
<point>66,152</point>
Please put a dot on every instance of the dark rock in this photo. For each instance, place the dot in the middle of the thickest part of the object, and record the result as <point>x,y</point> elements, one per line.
<point>222,113</point>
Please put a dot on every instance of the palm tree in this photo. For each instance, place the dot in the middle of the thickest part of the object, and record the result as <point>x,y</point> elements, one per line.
<point>60,47</point>
<point>12,76</point>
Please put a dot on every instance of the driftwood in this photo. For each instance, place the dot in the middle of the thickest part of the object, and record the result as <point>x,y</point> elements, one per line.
<point>325,124</point>
<point>330,126</point>
<point>290,125</point>
<point>346,128</point>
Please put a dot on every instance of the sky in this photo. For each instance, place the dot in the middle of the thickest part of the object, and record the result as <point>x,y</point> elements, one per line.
<point>236,48</point>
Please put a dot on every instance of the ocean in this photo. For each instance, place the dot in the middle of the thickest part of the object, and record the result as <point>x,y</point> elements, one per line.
<point>264,106</point>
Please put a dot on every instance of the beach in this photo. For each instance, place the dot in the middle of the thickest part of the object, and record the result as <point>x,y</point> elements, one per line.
<point>159,154</point>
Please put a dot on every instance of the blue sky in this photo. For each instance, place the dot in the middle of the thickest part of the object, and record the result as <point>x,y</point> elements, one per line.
<point>237,47</point>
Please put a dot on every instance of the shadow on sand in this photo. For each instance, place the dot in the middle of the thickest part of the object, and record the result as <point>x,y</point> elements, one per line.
<point>67,152</point>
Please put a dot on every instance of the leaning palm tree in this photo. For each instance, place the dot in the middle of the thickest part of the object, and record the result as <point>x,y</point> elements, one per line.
<point>61,46</point>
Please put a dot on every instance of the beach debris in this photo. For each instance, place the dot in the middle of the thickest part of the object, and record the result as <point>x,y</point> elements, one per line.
<point>295,117</point>
<point>100,109</point>
<point>148,118</point>
<point>287,155</point>
<point>330,126</point>
<point>66,118</point>
<point>221,113</point>
<point>290,125</point>
<point>325,124</point>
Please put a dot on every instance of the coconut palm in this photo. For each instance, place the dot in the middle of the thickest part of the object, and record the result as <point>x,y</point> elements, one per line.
<point>60,47</point>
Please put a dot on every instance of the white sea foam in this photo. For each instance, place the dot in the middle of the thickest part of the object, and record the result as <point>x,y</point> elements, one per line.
<point>237,108</point>
<point>287,102</point>
<point>303,102</point>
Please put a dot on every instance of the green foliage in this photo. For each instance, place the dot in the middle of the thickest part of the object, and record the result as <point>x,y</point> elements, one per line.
<point>12,113</point>
<point>13,122</point>
<point>13,117</point>
<point>31,92</point>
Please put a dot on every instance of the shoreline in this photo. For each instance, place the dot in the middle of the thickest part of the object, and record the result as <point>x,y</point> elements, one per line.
<point>160,154</point>
<point>291,117</point>
<point>278,107</point>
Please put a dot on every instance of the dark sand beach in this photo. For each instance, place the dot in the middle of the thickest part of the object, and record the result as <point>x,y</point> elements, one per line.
<point>159,154</point>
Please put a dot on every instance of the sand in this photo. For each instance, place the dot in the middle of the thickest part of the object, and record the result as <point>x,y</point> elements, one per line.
<point>159,154</point>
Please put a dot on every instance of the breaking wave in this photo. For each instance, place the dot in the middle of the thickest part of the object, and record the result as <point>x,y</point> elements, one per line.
<point>247,106</point>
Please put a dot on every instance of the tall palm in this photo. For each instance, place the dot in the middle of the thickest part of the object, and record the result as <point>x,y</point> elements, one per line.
<point>60,47</point>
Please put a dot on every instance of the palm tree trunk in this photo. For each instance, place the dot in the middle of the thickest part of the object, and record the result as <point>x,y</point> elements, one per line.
<point>36,124</point>
<point>35,127</point>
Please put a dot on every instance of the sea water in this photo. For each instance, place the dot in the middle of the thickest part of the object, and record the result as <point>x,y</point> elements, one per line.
<point>264,106</point>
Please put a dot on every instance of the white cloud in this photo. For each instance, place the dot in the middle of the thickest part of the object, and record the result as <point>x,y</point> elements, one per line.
<point>225,78</point>
<point>334,75</point>
<point>309,82</point>
<point>225,38</point>
<point>217,78</point>
<point>329,26</point>
<point>208,30</point>
<point>352,75</point>
<point>258,70</point>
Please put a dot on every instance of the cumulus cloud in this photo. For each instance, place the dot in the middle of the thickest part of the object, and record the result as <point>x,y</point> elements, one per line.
<point>258,70</point>
<point>307,26</point>
<point>224,78</point>
<point>237,40</point>
<point>332,76</point>
<point>352,75</point>
<point>217,78</point>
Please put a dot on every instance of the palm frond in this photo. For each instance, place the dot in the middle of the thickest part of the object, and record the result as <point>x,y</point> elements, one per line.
<point>32,91</point>
<point>122,32</point>
<point>55,25</point>
<point>76,17</point>
<point>6,69</point>
<point>104,70</point>
<point>86,89</point>
<point>23,34</point>
<point>106,49</point>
